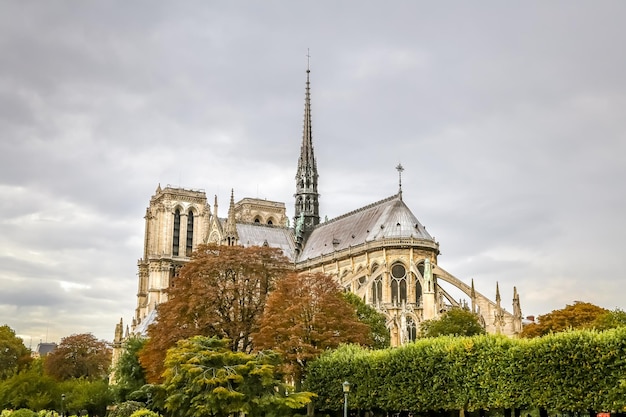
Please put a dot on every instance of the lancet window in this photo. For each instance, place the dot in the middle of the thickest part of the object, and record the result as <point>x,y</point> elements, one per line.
<point>398,284</point>
<point>189,233</point>
<point>377,290</point>
<point>176,236</point>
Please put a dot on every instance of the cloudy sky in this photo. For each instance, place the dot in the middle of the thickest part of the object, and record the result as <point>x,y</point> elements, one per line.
<point>507,116</point>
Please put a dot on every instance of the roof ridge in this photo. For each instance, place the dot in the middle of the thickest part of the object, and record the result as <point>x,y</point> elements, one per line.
<point>369,206</point>
<point>272,226</point>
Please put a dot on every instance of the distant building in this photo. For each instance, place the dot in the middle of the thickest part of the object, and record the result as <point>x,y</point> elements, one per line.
<point>43,349</point>
<point>381,252</point>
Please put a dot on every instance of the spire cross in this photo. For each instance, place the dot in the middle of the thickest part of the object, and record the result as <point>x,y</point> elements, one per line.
<point>400,168</point>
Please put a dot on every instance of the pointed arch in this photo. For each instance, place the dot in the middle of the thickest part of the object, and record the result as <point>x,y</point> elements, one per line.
<point>176,233</point>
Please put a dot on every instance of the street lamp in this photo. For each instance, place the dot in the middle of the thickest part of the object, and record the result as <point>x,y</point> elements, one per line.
<point>346,390</point>
<point>62,405</point>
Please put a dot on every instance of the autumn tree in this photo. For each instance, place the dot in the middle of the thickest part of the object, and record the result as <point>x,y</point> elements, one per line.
<point>204,377</point>
<point>305,315</point>
<point>14,355</point>
<point>454,322</point>
<point>221,292</point>
<point>579,315</point>
<point>79,356</point>
<point>375,320</point>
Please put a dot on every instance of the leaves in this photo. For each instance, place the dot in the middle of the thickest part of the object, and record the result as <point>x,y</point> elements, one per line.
<point>570,371</point>
<point>305,316</point>
<point>204,377</point>
<point>579,315</point>
<point>221,292</point>
<point>79,356</point>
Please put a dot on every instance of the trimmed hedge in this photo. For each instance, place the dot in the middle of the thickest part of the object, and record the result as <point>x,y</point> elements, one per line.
<point>571,371</point>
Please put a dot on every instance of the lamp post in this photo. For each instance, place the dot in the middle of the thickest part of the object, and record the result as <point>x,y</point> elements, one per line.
<point>346,390</point>
<point>62,405</point>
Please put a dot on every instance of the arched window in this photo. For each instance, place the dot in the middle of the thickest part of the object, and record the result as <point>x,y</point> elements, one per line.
<point>418,292</point>
<point>411,329</point>
<point>257,220</point>
<point>377,290</point>
<point>270,221</point>
<point>398,283</point>
<point>189,233</point>
<point>176,237</point>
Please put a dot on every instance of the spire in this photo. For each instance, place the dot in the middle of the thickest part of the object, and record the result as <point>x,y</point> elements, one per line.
<point>231,236</point>
<point>498,299</point>
<point>473,297</point>
<point>215,207</point>
<point>307,197</point>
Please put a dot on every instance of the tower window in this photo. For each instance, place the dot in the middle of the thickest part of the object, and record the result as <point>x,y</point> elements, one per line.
<point>176,237</point>
<point>189,233</point>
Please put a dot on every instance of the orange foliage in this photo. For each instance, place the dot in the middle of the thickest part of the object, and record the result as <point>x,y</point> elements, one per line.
<point>305,316</point>
<point>220,292</point>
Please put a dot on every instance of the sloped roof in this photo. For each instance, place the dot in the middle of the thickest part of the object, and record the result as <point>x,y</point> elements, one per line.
<point>388,218</point>
<point>256,234</point>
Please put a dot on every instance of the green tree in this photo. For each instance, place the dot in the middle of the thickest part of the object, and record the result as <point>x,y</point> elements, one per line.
<point>79,356</point>
<point>580,315</point>
<point>220,292</point>
<point>82,394</point>
<point>610,320</point>
<point>305,315</point>
<point>204,377</point>
<point>372,318</point>
<point>454,322</point>
<point>129,374</point>
<point>13,354</point>
<point>30,389</point>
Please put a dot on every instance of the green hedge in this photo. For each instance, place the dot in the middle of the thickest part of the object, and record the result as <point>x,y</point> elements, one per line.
<point>570,371</point>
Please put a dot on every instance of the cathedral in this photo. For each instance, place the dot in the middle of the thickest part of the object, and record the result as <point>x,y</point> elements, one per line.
<point>381,252</point>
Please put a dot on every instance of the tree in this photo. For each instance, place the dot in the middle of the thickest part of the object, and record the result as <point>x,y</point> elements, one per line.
<point>14,355</point>
<point>454,322</point>
<point>82,394</point>
<point>305,316</point>
<point>220,292</point>
<point>610,320</point>
<point>79,356</point>
<point>579,315</point>
<point>129,374</point>
<point>29,389</point>
<point>372,318</point>
<point>204,376</point>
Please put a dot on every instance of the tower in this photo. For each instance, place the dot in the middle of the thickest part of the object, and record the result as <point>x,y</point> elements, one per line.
<point>306,196</point>
<point>176,222</point>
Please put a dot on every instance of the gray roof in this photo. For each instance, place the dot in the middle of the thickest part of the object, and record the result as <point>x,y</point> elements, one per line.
<point>388,218</point>
<point>256,234</point>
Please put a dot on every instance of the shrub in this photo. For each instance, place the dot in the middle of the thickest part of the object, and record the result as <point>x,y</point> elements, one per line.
<point>23,412</point>
<point>144,412</point>
<point>126,409</point>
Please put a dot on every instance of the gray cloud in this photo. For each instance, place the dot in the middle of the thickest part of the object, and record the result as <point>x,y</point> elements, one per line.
<point>507,118</point>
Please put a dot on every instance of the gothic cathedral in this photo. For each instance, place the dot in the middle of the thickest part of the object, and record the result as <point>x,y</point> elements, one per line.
<point>381,252</point>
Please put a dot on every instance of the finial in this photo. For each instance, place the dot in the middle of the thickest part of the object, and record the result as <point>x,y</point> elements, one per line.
<point>400,168</point>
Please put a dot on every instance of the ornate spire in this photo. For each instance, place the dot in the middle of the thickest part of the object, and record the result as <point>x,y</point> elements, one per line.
<point>231,235</point>
<point>307,197</point>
